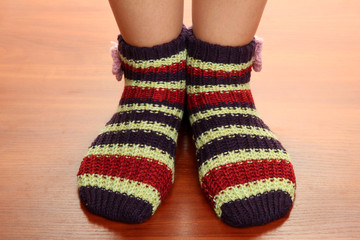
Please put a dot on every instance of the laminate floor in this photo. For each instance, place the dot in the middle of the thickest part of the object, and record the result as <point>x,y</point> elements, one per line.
<point>57,92</point>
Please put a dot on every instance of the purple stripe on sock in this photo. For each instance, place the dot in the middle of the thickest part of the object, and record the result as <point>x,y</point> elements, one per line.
<point>156,77</point>
<point>227,144</point>
<point>149,138</point>
<point>155,52</point>
<point>206,124</point>
<point>179,106</point>
<point>219,105</point>
<point>115,206</point>
<point>146,115</point>
<point>203,80</point>
<point>217,53</point>
<point>257,210</point>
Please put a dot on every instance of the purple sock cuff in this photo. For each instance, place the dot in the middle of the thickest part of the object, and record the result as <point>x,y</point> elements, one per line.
<point>155,52</point>
<point>217,53</point>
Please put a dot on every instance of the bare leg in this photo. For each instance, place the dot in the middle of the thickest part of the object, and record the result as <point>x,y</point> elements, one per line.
<point>226,22</point>
<point>148,23</point>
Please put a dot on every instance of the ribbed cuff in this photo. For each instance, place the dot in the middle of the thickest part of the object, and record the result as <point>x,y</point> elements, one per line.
<point>217,53</point>
<point>155,52</point>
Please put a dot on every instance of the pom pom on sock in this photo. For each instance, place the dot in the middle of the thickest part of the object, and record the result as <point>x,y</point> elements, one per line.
<point>116,65</point>
<point>257,66</point>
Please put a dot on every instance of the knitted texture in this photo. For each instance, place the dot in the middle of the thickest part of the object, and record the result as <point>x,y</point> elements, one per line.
<point>129,168</point>
<point>244,171</point>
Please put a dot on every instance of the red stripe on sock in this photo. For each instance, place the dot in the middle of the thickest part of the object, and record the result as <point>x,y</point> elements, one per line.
<point>214,98</point>
<point>157,94</point>
<point>234,174</point>
<point>195,71</point>
<point>139,169</point>
<point>161,69</point>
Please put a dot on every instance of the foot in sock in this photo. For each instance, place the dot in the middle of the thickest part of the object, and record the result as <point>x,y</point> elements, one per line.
<point>129,168</point>
<point>244,171</point>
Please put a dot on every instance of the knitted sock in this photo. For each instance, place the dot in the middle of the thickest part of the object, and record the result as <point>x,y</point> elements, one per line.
<point>129,168</point>
<point>244,171</point>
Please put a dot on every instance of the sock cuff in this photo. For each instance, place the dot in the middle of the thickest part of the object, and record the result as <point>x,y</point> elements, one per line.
<point>155,52</point>
<point>216,53</point>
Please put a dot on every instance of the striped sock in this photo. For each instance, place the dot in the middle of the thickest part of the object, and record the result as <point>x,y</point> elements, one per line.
<point>244,171</point>
<point>129,168</point>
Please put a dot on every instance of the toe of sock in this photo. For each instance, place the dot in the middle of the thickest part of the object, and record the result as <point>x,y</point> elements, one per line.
<point>115,206</point>
<point>257,210</point>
